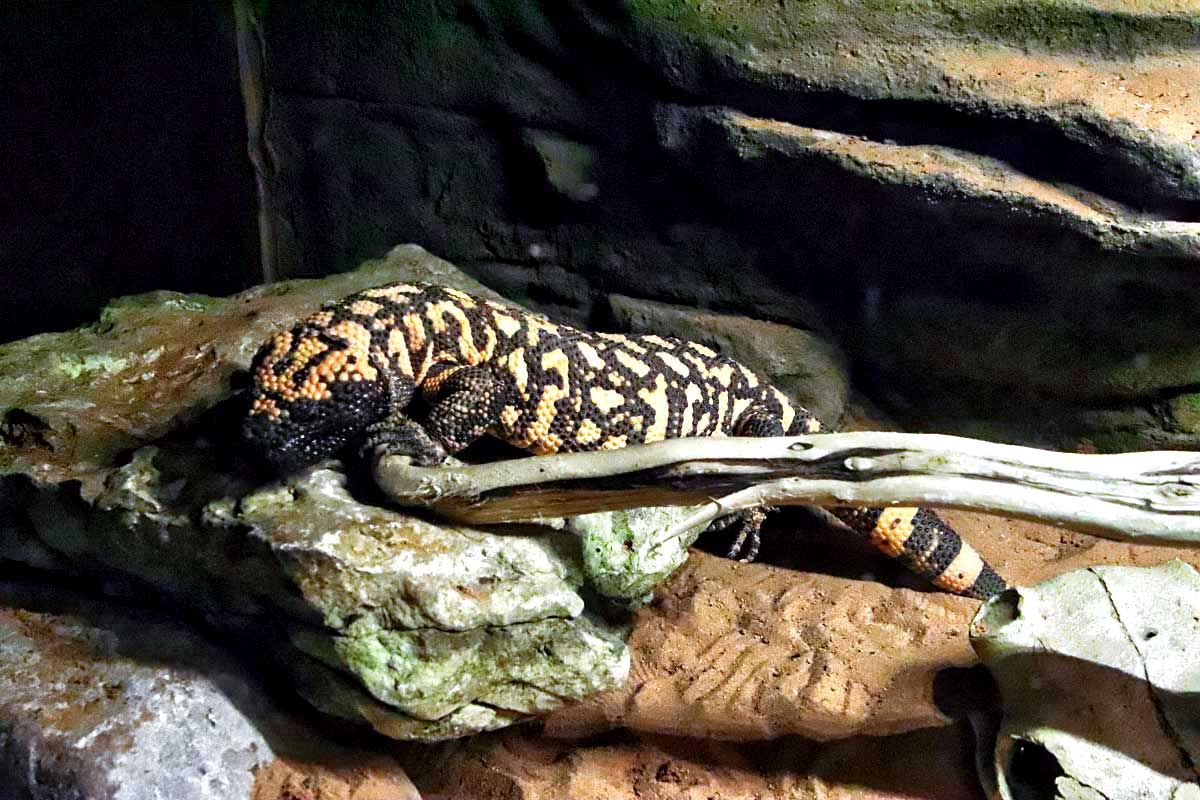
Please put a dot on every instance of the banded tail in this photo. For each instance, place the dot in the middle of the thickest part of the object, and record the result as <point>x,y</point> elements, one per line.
<point>921,540</point>
<point>927,546</point>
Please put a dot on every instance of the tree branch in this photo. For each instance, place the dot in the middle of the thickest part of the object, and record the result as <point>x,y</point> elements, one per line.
<point>1131,497</point>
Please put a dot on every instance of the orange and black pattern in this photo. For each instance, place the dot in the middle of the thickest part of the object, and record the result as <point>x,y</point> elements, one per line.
<point>350,375</point>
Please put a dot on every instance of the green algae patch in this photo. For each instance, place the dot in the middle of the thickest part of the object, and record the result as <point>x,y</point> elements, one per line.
<point>697,17</point>
<point>624,553</point>
<point>76,365</point>
<point>333,692</point>
<point>1185,412</point>
<point>529,668</point>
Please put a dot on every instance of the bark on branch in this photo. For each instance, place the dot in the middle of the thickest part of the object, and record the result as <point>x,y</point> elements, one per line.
<point>1131,497</point>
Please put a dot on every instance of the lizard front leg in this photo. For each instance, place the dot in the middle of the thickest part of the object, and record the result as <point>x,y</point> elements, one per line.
<point>397,434</point>
<point>467,402</point>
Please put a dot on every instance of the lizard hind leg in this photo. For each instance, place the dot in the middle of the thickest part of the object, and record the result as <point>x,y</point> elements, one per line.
<point>917,537</point>
<point>757,420</point>
<point>749,538</point>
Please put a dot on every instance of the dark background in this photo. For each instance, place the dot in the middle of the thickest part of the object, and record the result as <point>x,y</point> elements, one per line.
<point>124,158</point>
<point>564,151</point>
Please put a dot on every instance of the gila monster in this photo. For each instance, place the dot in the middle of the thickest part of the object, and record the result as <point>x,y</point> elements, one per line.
<point>348,373</point>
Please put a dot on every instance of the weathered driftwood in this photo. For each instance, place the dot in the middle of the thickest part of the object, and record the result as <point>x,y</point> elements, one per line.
<point>1132,496</point>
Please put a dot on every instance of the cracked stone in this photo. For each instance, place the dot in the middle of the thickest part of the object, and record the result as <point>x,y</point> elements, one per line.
<point>1098,677</point>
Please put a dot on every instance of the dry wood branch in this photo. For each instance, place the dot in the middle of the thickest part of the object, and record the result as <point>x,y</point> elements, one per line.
<point>1131,496</point>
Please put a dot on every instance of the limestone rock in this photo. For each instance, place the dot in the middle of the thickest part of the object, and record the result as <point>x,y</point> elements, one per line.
<point>423,631</point>
<point>433,620</point>
<point>624,555</point>
<point>107,699</point>
<point>1123,634</point>
<point>102,700</point>
<point>369,568</point>
<point>806,367</point>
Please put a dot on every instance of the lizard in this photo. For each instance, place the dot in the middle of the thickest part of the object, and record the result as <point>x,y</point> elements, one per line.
<point>350,373</point>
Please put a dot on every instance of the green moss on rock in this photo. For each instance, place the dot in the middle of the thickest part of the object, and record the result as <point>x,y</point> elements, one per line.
<point>699,17</point>
<point>624,554</point>
<point>1185,412</point>
<point>527,668</point>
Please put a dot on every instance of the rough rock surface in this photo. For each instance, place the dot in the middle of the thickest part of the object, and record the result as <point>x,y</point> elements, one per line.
<point>108,701</point>
<point>1120,633</point>
<point>514,765</point>
<point>964,348</point>
<point>83,717</point>
<point>990,205</point>
<point>624,557</point>
<point>423,631</point>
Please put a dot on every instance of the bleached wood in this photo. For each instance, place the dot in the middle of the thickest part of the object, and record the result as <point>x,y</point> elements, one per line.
<point>1140,496</point>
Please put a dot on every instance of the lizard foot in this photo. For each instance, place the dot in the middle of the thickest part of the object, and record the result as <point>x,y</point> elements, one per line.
<point>405,439</point>
<point>745,545</point>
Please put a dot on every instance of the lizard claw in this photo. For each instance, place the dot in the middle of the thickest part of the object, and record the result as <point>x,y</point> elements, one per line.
<point>745,545</point>
<point>409,439</point>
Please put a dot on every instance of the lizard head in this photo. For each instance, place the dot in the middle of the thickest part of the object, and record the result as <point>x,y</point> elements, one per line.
<point>314,392</point>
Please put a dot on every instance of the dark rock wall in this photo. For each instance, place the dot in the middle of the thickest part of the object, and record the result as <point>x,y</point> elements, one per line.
<point>990,206</point>
<point>1015,252</point>
<point>511,136</point>
<point>124,157</point>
